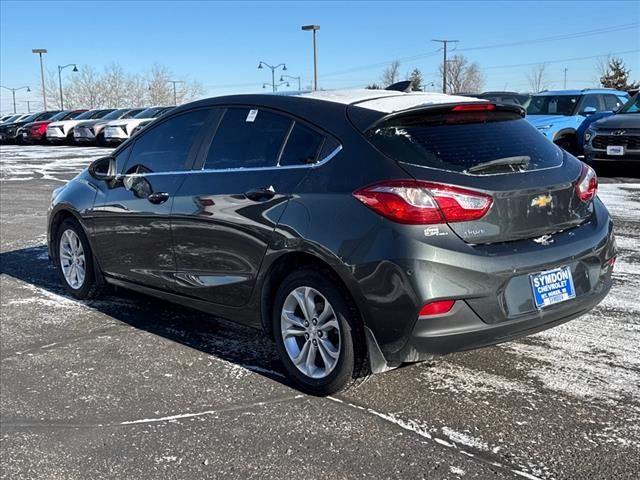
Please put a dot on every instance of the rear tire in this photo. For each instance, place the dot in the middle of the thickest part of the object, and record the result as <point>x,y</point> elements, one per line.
<point>318,334</point>
<point>100,140</point>
<point>70,140</point>
<point>74,261</point>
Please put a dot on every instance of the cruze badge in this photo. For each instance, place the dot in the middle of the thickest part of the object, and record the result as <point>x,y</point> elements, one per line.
<point>541,201</point>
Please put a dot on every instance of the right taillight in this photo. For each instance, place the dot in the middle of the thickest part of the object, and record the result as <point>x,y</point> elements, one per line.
<point>422,203</point>
<point>587,185</point>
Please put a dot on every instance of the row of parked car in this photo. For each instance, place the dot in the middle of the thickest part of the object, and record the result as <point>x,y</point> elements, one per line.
<point>87,127</point>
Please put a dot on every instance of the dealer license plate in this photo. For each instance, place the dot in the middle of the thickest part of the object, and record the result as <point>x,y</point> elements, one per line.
<point>552,286</point>
<point>615,150</point>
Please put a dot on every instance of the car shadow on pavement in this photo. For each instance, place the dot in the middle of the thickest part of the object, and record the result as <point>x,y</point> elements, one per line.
<point>243,346</point>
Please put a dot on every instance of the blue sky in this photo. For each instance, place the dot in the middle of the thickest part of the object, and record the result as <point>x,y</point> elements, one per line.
<point>219,44</point>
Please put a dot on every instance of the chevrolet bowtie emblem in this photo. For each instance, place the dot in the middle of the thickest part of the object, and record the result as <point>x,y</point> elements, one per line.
<point>541,201</point>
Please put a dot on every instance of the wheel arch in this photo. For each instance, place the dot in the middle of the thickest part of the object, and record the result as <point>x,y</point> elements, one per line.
<point>288,262</point>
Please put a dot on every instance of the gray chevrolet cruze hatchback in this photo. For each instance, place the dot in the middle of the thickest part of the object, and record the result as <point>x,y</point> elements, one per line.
<point>360,229</point>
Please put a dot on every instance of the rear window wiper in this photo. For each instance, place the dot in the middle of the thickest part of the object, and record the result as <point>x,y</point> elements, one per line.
<point>517,161</point>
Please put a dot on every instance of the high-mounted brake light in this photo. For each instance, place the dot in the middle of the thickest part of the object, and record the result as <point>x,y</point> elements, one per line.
<point>476,107</point>
<point>416,202</point>
<point>436,308</point>
<point>587,185</point>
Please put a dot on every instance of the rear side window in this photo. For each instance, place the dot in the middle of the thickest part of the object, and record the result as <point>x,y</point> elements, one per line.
<point>248,138</point>
<point>166,147</point>
<point>302,146</point>
<point>457,141</point>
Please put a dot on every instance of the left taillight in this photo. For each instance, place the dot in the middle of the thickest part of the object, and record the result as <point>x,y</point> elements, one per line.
<point>587,186</point>
<point>417,202</point>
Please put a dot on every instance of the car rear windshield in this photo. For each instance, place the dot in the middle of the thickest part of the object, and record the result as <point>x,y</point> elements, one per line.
<point>459,141</point>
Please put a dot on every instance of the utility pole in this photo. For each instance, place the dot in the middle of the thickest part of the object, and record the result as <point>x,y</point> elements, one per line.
<point>40,51</point>
<point>565,77</point>
<point>444,62</point>
<point>175,95</point>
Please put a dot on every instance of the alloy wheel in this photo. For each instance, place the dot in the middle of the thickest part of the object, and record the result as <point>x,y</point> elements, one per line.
<point>310,332</point>
<point>72,259</point>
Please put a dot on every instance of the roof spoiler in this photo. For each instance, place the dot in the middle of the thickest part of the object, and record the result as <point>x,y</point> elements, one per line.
<point>434,108</point>
<point>403,86</point>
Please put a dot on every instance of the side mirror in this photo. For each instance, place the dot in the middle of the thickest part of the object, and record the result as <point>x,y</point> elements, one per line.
<point>103,169</point>
<point>589,111</point>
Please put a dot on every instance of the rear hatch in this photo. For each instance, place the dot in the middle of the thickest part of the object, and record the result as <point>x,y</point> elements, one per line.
<point>493,150</point>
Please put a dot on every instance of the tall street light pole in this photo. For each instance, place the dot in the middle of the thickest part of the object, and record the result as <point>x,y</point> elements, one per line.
<point>444,63</point>
<point>314,29</point>
<point>40,51</point>
<point>13,92</point>
<point>282,77</point>
<point>565,77</point>
<point>175,95</point>
<point>273,69</point>
<point>60,68</point>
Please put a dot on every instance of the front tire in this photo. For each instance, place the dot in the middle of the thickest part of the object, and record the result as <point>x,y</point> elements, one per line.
<point>74,261</point>
<point>318,334</point>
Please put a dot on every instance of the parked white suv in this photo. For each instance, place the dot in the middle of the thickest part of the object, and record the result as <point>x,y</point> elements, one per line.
<point>118,131</point>
<point>61,132</point>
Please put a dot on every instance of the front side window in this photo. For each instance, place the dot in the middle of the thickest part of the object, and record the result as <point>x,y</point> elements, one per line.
<point>166,147</point>
<point>591,101</point>
<point>248,138</point>
<point>552,104</point>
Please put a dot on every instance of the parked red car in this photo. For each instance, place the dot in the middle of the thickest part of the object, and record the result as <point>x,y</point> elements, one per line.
<point>36,131</point>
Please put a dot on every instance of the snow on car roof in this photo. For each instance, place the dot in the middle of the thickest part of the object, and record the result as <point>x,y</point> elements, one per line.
<point>386,101</point>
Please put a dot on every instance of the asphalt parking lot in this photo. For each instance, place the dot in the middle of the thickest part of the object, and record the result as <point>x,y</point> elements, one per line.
<point>130,387</point>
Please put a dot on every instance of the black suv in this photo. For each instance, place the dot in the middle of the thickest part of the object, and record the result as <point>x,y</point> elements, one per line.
<point>360,230</point>
<point>615,139</point>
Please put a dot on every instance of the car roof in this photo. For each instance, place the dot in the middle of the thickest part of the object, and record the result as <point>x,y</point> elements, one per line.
<point>385,101</point>
<point>584,91</point>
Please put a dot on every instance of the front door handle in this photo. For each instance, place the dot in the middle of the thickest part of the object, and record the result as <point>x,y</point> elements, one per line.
<point>261,193</point>
<point>158,197</point>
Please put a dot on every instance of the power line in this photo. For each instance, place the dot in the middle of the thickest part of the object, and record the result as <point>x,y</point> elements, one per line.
<point>575,59</point>
<point>566,36</point>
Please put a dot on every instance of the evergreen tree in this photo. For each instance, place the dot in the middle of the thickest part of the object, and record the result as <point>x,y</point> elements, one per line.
<point>416,80</point>
<point>616,76</point>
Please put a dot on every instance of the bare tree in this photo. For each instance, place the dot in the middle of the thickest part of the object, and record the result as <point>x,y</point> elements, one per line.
<point>114,88</point>
<point>538,78</point>
<point>391,74</point>
<point>462,75</point>
<point>85,89</point>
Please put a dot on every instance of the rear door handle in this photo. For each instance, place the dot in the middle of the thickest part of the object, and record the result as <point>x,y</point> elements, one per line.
<point>158,197</point>
<point>261,193</point>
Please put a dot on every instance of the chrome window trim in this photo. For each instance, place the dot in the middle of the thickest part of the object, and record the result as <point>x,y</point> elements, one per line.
<point>326,159</point>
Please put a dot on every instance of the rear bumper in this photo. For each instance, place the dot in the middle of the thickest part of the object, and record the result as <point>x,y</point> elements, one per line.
<point>461,329</point>
<point>492,288</point>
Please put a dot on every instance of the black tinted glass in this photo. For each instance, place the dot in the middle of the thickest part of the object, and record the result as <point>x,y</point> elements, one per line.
<point>166,147</point>
<point>248,138</point>
<point>459,141</point>
<point>302,146</point>
<point>612,103</point>
<point>552,104</point>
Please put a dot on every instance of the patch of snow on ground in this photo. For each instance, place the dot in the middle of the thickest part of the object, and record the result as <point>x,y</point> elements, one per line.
<point>465,439</point>
<point>456,470</point>
<point>23,162</point>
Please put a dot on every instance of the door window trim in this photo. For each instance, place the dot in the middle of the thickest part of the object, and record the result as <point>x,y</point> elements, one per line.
<point>201,159</point>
